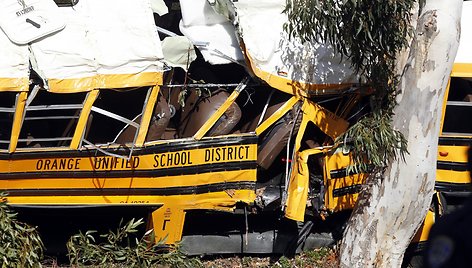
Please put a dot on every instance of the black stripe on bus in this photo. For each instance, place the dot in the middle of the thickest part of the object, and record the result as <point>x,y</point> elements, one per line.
<point>353,189</point>
<point>452,187</point>
<point>458,141</point>
<point>187,144</point>
<point>455,166</point>
<point>342,172</point>
<point>167,191</point>
<point>174,171</point>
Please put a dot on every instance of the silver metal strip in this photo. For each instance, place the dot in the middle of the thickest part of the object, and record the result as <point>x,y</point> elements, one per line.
<point>54,107</point>
<point>200,85</point>
<point>459,103</point>
<point>142,112</point>
<point>50,117</point>
<point>114,116</point>
<point>7,110</point>
<point>47,139</point>
<point>265,108</point>
<point>103,151</point>
<point>165,31</point>
<point>32,95</point>
<point>123,129</point>
<point>242,85</point>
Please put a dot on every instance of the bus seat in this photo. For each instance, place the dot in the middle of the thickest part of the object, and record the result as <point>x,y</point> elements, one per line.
<point>159,121</point>
<point>198,110</point>
<point>468,98</point>
<point>252,124</point>
<point>276,138</point>
<point>157,126</point>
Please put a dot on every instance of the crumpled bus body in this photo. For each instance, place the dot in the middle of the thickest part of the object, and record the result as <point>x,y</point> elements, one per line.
<point>205,118</point>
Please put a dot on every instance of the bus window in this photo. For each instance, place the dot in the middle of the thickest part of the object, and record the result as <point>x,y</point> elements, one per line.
<point>7,110</point>
<point>50,119</point>
<point>115,111</point>
<point>457,120</point>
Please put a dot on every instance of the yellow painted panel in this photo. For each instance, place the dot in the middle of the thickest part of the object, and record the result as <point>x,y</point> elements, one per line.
<point>167,220</point>
<point>180,158</point>
<point>216,200</point>
<point>129,80</point>
<point>72,85</point>
<point>343,202</point>
<point>14,84</point>
<point>83,119</point>
<point>129,183</point>
<point>147,115</point>
<point>327,121</point>
<point>168,223</point>
<point>453,176</point>
<point>297,195</point>
<point>462,70</point>
<point>423,232</point>
<point>452,153</point>
<point>330,124</point>
<point>104,81</point>
<point>17,120</point>
<point>338,162</point>
<point>277,115</point>
<point>443,111</point>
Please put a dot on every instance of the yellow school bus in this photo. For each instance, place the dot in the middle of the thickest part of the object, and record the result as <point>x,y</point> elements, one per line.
<point>453,178</point>
<point>194,120</point>
<point>110,110</point>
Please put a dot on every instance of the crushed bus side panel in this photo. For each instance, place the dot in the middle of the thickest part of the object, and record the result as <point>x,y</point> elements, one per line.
<point>216,134</point>
<point>198,121</point>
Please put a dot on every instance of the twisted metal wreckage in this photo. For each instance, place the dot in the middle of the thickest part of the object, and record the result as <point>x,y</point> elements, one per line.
<point>135,106</point>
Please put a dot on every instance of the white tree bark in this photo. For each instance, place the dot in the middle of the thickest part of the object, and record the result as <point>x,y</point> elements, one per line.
<point>394,203</point>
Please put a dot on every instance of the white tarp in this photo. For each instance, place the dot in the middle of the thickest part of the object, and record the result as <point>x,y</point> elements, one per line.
<point>14,67</point>
<point>106,43</point>
<point>21,22</point>
<point>272,55</point>
<point>212,33</point>
<point>261,27</point>
<point>178,51</point>
<point>464,53</point>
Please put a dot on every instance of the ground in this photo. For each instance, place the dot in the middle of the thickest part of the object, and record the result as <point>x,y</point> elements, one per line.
<point>322,258</point>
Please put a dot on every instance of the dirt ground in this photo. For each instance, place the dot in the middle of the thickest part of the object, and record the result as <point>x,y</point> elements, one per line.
<point>322,258</point>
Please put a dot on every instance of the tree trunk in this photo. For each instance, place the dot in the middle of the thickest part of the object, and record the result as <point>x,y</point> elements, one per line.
<point>395,200</point>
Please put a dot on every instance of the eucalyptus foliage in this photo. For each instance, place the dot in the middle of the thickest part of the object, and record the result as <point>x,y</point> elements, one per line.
<point>123,247</point>
<point>370,34</point>
<point>20,244</point>
<point>371,133</point>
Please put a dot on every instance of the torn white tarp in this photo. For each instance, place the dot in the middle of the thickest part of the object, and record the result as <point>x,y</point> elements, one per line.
<point>212,33</point>
<point>178,51</point>
<point>21,22</point>
<point>274,56</point>
<point>106,44</point>
<point>159,7</point>
<point>14,66</point>
<point>280,61</point>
